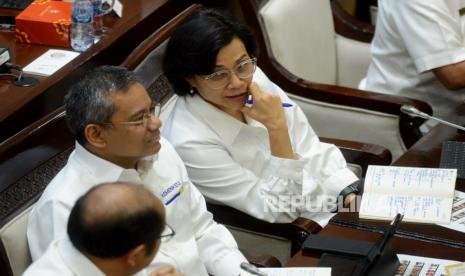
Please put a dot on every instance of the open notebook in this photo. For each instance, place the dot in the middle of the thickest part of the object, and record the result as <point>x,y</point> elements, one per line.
<point>421,194</point>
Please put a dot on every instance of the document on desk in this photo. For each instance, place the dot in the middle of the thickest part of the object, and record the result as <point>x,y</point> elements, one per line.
<point>293,271</point>
<point>422,266</point>
<point>457,221</point>
<point>421,194</point>
<point>50,62</point>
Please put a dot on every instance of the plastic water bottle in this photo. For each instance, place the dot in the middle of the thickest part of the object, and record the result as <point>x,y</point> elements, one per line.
<point>82,30</point>
<point>98,18</point>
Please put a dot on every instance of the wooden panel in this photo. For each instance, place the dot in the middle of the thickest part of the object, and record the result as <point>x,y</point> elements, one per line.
<point>20,107</point>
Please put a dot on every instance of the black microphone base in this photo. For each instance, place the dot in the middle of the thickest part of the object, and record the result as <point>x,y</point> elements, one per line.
<point>25,82</point>
<point>349,265</point>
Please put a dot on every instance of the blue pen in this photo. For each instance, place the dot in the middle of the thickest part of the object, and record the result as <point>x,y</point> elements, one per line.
<point>249,102</point>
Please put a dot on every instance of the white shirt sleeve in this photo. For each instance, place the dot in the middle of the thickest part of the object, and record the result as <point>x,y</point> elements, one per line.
<point>431,31</point>
<point>46,224</point>
<point>224,180</point>
<point>217,247</point>
<point>325,163</point>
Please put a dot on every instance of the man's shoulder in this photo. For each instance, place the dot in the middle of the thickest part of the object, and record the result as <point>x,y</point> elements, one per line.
<point>167,148</point>
<point>174,128</point>
<point>64,188</point>
<point>49,264</point>
<point>410,6</point>
<point>167,154</point>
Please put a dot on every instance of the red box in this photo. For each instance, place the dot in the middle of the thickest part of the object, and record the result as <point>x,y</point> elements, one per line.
<point>45,22</point>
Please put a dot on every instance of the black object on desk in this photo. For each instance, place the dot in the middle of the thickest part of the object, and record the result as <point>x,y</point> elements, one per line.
<point>19,80</point>
<point>355,258</point>
<point>15,4</point>
<point>453,157</point>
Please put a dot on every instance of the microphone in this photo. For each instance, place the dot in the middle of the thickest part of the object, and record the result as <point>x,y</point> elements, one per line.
<point>19,80</point>
<point>413,112</point>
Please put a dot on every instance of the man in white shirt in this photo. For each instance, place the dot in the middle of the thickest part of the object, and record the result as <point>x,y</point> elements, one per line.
<point>419,52</point>
<point>118,139</point>
<point>103,239</point>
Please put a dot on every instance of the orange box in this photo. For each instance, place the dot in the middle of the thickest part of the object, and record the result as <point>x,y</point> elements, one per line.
<point>45,22</point>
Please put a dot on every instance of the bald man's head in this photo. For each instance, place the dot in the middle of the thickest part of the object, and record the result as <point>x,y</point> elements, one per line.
<point>111,219</point>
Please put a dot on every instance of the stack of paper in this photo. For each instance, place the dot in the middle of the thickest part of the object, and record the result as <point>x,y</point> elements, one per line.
<point>50,62</point>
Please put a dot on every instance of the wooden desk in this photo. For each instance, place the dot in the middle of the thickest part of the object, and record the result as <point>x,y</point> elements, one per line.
<point>19,107</point>
<point>400,245</point>
<point>425,153</point>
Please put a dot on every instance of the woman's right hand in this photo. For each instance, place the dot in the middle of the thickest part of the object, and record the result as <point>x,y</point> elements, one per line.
<point>266,109</point>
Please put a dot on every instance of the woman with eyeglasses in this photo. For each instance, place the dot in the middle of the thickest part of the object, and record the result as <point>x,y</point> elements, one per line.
<point>244,142</point>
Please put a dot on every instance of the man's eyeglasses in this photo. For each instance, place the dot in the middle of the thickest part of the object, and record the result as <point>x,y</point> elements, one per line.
<point>243,70</point>
<point>155,110</point>
<point>168,234</point>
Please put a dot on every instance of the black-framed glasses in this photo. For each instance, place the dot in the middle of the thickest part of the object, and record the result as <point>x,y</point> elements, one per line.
<point>243,70</point>
<point>167,234</point>
<point>154,110</point>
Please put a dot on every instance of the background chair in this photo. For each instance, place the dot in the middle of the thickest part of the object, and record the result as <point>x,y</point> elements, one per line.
<point>146,61</point>
<point>318,53</point>
<point>28,162</point>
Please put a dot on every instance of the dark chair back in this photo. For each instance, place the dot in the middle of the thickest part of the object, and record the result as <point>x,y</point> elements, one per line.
<point>146,59</point>
<point>28,162</point>
<point>356,115</point>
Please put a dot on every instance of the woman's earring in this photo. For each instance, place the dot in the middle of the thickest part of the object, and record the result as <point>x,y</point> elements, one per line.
<point>191,91</point>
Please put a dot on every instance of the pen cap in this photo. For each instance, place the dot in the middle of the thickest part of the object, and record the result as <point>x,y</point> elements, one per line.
<point>250,270</point>
<point>249,99</point>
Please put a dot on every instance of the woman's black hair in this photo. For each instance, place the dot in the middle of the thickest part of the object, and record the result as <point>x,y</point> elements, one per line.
<point>193,47</point>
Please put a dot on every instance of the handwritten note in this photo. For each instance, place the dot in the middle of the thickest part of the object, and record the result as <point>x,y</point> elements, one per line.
<point>421,194</point>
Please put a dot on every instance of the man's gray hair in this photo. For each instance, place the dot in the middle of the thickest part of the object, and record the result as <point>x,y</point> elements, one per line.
<point>87,100</point>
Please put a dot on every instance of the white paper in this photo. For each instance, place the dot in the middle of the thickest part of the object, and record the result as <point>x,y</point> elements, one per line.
<point>293,271</point>
<point>455,269</point>
<point>118,8</point>
<point>422,266</point>
<point>50,62</point>
<point>457,221</point>
<point>410,180</point>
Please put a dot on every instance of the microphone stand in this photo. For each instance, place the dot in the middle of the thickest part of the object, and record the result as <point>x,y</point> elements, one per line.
<point>19,80</point>
<point>413,112</point>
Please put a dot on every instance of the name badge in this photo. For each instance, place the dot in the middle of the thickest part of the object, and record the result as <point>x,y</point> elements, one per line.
<point>172,192</point>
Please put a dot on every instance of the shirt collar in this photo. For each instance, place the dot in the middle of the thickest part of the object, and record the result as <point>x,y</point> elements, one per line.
<point>75,260</point>
<point>223,124</point>
<point>105,170</point>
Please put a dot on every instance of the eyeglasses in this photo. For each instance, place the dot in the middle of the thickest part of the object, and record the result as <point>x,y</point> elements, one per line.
<point>170,233</point>
<point>155,110</point>
<point>243,70</point>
